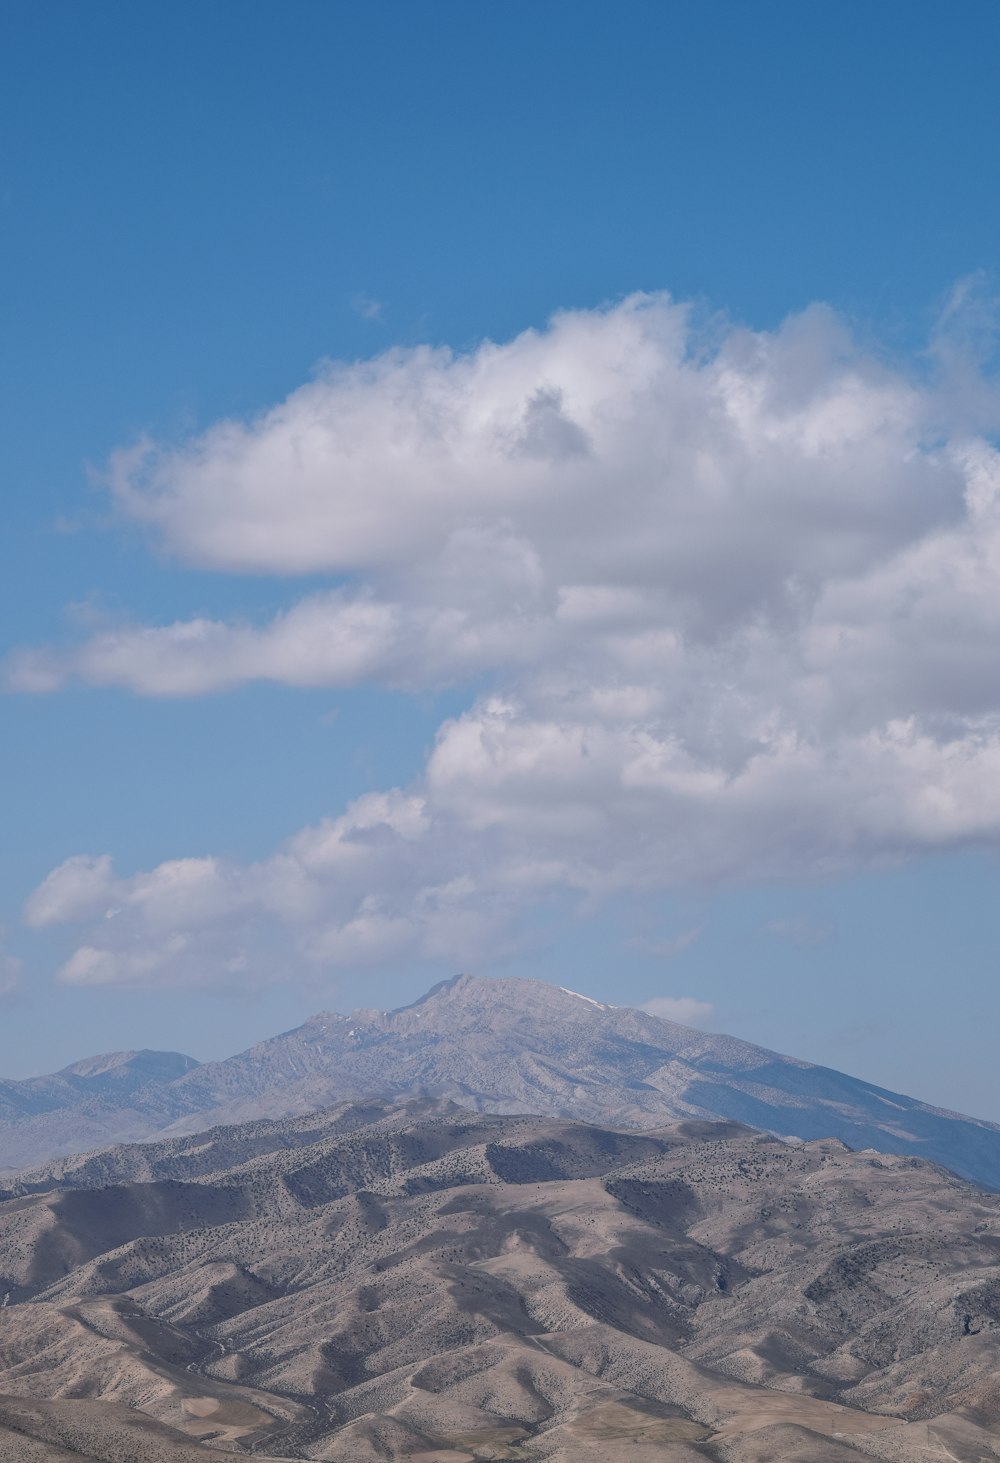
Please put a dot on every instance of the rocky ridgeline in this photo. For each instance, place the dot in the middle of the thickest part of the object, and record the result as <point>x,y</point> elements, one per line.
<point>491,1045</point>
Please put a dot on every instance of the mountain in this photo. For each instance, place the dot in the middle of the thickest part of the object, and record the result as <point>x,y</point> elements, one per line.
<point>379,1282</point>
<point>505,1045</point>
<point>93,1102</point>
<point>110,1078</point>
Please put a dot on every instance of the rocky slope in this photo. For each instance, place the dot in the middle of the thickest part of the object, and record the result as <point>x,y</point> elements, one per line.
<point>119,1095</point>
<point>113,1078</point>
<point>491,1045</point>
<point>424,1283</point>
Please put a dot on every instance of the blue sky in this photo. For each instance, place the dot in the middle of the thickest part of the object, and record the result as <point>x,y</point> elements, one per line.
<point>650,653</point>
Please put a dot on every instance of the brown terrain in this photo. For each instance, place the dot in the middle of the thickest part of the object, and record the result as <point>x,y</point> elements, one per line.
<point>419,1282</point>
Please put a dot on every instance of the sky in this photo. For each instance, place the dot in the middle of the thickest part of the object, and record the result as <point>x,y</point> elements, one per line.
<point>502,488</point>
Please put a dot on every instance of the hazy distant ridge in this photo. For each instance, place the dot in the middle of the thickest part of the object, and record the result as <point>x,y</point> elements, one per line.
<point>503,1045</point>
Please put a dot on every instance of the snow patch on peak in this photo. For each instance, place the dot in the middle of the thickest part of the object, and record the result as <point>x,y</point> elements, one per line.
<point>589,999</point>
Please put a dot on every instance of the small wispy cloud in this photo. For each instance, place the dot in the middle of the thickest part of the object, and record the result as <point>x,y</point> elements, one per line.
<point>667,949</point>
<point>800,929</point>
<point>686,1010</point>
<point>10,970</point>
<point>367,307</point>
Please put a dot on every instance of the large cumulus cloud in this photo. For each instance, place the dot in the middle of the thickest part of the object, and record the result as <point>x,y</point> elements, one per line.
<point>738,596</point>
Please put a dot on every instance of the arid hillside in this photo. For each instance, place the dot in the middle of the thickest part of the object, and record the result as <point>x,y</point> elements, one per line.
<point>421,1282</point>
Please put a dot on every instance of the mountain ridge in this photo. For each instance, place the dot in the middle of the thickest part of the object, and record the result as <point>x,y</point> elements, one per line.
<point>509,1045</point>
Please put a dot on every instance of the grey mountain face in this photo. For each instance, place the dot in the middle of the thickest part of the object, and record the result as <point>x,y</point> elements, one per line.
<point>112,1077</point>
<point>504,1046</point>
<point>90,1103</point>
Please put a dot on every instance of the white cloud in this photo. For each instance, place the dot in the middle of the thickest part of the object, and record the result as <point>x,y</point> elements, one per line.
<point>599,490</point>
<point>326,640</point>
<point>76,889</point>
<point>738,601</point>
<point>376,884</point>
<point>686,1010</point>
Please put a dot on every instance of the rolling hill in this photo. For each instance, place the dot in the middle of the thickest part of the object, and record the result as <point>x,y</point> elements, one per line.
<point>419,1282</point>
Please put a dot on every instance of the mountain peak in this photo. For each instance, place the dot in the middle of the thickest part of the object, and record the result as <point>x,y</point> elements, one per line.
<point>451,989</point>
<point>497,1044</point>
<point>507,994</point>
<point>145,1064</point>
